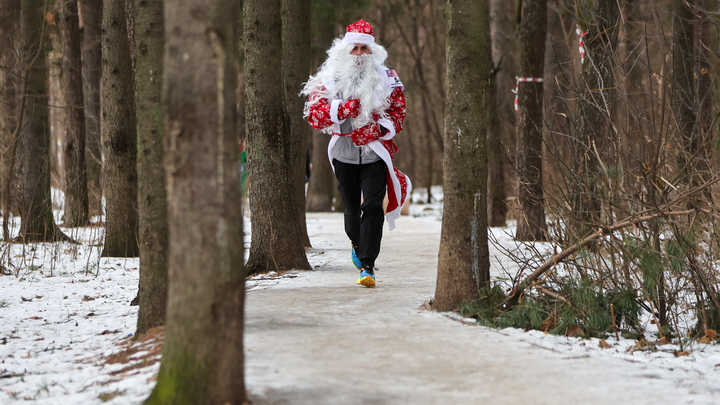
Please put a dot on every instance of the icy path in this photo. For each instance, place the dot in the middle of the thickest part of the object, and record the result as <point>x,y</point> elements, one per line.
<point>319,339</point>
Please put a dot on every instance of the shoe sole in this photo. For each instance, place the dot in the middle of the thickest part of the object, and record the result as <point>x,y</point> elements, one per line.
<point>366,281</point>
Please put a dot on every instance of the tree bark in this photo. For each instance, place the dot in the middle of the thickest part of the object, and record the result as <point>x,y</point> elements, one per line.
<point>703,27</point>
<point>276,236</point>
<point>463,263</point>
<point>682,91</point>
<point>76,193</point>
<point>38,224</point>
<point>638,138</point>
<point>320,188</point>
<point>202,359</point>
<point>9,23</point>
<point>501,156</point>
<point>501,124</point>
<point>497,206</point>
<point>91,13</point>
<point>560,44</point>
<point>295,68</point>
<point>119,135</point>
<point>57,113</point>
<point>596,110</point>
<point>704,72</point>
<point>532,33</point>
<point>152,196</point>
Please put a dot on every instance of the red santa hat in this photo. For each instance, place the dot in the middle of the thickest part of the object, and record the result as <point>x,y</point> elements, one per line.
<point>359,32</point>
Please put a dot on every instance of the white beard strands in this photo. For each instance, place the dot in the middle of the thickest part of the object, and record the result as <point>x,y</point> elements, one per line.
<point>356,77</point>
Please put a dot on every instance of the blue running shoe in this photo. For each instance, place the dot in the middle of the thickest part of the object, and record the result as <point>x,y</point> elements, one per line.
<point>367,278</point>
<point>355,259</point>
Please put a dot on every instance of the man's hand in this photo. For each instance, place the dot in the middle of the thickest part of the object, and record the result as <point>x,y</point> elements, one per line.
<point>366,134</point>
<point>350,108</point>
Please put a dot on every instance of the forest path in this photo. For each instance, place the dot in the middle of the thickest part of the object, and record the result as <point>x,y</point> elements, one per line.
<point>318,338</point>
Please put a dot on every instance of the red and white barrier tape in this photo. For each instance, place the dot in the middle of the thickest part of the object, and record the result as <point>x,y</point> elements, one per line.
<point>517,86</point>
<point>581,44</point>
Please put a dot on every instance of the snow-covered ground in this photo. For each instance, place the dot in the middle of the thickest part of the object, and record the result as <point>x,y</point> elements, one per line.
<point>66,323</point>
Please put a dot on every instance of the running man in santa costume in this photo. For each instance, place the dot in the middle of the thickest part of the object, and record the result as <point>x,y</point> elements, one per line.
<point>360,102</point>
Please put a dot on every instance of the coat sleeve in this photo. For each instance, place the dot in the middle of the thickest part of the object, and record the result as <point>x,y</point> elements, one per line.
<point>396,111</point>
<point>319,112</point>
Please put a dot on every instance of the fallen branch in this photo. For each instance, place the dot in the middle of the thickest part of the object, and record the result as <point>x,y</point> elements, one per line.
<point>519,287</point>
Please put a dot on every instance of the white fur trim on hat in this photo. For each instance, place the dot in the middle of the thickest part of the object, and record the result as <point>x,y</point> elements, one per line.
<point>358,38</point>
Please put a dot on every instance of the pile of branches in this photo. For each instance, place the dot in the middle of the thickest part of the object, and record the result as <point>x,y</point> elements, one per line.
<point>662,262</point>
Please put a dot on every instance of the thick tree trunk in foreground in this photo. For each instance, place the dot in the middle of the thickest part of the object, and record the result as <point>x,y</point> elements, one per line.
<point>152,196</point>
<point>202,359</point>
<point>532,33</point>
<point>296,67</point>
<point>38,224</point>
<point>463,263</point>
<point>119,135</point>
<point>76,192</point>
<point>91,13</point>
<point>276,236</point>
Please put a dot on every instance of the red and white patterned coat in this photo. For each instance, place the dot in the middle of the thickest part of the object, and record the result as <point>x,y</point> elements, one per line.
<point>321,114</point>
<point>320,118</point>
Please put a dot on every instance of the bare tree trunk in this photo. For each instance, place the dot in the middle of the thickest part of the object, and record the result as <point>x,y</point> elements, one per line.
<point>417,30</point>
<point>119,134</point>
<point>276,236</point>
<point>76,193</point>
<point>497,206</point>
<point>558,75</point>
<point>241,74</point>
<point>202,359</point>
<point>505,55</point>
<point>91,13</point>
<point>57,113</point>
<point>428,145</point>
<point>463,260</point>
<point>682,92</point>
<point>320,188</point>
<point>38,224</point>
<point>501,124</point>
<point>596,110</point>
<point>637,106</point>
<point>152,196</point>
<point>642,143</point>
<point>295,69</point>
<point>10,63</point>
<point>532,33</point>
<point>704,74</point>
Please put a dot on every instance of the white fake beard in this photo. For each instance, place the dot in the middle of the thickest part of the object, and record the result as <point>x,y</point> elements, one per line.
<point>357,78</point>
